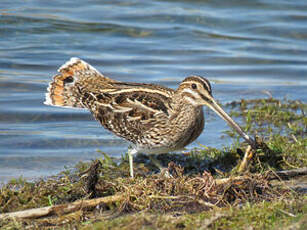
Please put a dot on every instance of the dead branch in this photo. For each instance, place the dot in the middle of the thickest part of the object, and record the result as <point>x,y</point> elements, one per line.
<point>284,174</point>
<point>228,179</point>
<point>62,208</point>
<point>287,174</point>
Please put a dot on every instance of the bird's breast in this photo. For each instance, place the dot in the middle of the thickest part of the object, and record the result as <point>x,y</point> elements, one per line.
<point>173,134</point>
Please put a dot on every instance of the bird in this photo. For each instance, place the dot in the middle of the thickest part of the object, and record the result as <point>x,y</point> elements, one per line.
<point>153,118</point>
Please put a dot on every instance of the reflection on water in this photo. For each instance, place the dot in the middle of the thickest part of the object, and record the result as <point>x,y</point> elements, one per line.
<point>244,47</point>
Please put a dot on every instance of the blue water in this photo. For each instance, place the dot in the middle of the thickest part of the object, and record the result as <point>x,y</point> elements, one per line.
<point>243,47</point>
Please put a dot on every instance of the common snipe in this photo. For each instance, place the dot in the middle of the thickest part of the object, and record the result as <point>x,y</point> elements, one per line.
<point>155,119</point>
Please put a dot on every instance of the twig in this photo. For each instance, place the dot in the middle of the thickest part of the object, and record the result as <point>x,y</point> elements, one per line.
<point>287,174</point>
<point>61,209</point>
<point>165,197</point>
<point>286,213</point>
<point>287,163</point>
<point>247,157</point>
<point>228,179</point>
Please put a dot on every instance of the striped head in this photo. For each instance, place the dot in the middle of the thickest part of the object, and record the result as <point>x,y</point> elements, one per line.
<point>197,91</point>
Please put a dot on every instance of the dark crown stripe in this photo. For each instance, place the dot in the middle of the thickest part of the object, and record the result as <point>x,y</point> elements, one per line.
<point>198,79</point>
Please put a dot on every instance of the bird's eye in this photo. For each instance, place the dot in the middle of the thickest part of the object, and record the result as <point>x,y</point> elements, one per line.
<point>194,86</point>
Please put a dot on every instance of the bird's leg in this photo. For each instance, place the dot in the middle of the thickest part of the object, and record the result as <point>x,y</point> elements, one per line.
<point>131,152</point>
<point>130,164</point>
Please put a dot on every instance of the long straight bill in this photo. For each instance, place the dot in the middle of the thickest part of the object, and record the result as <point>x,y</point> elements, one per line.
<point>216,108</point>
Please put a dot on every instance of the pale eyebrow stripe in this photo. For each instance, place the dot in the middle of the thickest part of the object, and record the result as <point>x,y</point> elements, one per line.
<point>207,87</point>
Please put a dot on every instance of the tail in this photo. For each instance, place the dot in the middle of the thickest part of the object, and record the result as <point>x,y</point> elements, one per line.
<point>63,90</point>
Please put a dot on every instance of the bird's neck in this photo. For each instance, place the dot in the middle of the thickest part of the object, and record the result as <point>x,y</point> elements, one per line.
<point>187,120</point>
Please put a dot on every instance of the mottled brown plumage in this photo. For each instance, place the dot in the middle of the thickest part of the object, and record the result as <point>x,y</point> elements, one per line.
<point>155,119</point>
